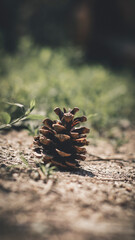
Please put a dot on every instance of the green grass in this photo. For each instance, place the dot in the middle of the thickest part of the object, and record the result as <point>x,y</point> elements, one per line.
<point>58,77</point>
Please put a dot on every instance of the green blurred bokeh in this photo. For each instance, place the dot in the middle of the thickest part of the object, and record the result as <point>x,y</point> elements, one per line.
<point>48,51</point>
<point>60,78</point>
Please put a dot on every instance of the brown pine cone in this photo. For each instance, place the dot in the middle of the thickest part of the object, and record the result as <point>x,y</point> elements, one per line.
<point>60,142</point>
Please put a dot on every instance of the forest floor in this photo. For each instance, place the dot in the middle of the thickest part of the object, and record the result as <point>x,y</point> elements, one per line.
<point>95,202</point>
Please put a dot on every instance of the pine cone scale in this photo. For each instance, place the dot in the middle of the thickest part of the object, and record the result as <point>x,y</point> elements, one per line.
<point>62,137</point>
<point>81,130</point>
<point>80,150</point>
<point>59,128</point>
<point>62,154</point>
<point>71,164</point>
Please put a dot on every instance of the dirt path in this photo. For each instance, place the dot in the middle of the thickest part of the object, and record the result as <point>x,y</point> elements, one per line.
<point>95,202</point>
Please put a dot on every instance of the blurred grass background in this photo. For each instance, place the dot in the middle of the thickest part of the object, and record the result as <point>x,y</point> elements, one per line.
<point>60,78</point>
<point>40,62</point>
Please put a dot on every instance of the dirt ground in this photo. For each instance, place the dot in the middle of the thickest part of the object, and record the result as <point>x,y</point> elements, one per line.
<point>95,202</point>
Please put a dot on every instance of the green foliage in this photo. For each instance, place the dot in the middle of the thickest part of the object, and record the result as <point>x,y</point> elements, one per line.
<point>60,78</point>
<point>5,118</point>
<point>24,160</point>
<point>47,169</point>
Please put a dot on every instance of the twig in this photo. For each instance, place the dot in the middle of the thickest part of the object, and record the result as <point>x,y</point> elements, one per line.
<point>111,179</point>
<point>108,158</point>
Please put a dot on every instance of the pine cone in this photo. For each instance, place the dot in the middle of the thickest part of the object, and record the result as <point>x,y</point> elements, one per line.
<point>60,142</point>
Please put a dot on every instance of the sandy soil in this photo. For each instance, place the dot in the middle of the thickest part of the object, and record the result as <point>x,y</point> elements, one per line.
<point>94,202</point>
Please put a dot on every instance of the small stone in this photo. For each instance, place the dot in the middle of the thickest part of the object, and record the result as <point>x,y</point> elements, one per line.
<point>15,175</point>
<point>128,189</point>
<point>35,175</point>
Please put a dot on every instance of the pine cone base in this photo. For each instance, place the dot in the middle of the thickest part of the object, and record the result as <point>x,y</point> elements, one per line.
<point>60,142</point>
